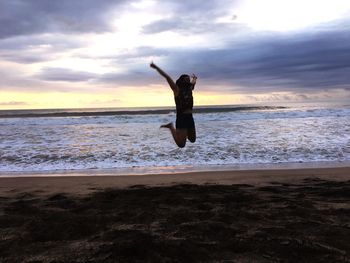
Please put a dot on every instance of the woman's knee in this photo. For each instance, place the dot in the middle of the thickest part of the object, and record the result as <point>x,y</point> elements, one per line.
<point>191,135</point>
<point>192,139</point>
<point>181,144</point>
<point>181,138</point>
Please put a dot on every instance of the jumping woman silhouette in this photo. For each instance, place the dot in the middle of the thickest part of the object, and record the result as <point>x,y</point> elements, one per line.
<point>185,127</point>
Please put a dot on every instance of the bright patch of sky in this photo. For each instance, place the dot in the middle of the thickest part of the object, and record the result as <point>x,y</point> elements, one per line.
<point>286,15</point>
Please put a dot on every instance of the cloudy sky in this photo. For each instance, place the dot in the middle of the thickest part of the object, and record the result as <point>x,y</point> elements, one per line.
<point>87,53</point>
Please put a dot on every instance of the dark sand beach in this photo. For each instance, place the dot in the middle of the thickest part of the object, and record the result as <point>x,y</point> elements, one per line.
<point>292,215</point>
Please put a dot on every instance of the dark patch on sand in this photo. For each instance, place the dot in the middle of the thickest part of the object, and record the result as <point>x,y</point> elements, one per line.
<point>301,222</point>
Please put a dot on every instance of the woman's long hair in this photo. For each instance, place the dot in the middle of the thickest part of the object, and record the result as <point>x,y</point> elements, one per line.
<point>184,82</point>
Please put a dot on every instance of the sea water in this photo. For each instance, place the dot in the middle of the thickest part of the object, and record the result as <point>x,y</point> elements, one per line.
<point>51,140</point>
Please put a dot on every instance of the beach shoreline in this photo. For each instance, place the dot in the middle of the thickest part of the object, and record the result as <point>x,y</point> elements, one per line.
<point>150,170</point>
<point>86,181</point>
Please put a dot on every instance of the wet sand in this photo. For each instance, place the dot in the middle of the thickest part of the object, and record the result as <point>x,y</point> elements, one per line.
<point>280,215</point>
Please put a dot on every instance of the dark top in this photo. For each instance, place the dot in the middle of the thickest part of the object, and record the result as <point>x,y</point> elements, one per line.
<point>184,100</point>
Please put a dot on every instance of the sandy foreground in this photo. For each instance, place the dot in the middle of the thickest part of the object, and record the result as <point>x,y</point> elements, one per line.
<point>276,215</point>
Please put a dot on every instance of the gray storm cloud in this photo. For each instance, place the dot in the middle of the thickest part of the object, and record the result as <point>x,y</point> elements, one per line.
<point>302,61</point>
<point>264,63</point>
<point>27,17</point>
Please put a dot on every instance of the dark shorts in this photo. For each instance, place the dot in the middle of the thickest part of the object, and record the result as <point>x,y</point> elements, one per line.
<point>184,121</point>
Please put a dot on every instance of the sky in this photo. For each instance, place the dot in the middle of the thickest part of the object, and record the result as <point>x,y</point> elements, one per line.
<point>87,53</point>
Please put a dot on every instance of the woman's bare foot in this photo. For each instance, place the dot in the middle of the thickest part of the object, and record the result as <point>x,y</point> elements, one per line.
<point>169,125</point>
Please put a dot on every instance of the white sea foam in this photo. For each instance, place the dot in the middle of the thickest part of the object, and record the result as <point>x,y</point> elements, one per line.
<point>238,137</point>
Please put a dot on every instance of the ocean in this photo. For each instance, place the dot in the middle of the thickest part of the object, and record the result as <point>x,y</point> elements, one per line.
<point>90,139</point>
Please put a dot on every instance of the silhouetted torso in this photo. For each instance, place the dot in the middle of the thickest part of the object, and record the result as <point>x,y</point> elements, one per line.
<point>184,100</point>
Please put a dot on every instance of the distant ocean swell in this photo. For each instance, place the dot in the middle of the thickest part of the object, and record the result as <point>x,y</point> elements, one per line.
<point>101,112</point>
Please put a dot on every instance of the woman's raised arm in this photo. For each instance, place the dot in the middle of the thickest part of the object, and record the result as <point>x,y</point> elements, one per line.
<point>170,81</point>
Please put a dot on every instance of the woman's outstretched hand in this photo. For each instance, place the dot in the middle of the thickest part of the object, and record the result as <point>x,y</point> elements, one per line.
<point>194,79</point>
<point>152,65</point>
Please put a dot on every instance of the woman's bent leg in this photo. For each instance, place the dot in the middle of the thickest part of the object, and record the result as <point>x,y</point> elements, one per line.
<point>179,135</point>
